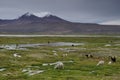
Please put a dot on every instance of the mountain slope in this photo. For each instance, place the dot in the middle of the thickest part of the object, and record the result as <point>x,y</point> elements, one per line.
<point>51,24</point>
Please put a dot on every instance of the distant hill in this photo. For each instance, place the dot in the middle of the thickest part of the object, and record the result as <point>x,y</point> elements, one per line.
<point>51,24</point>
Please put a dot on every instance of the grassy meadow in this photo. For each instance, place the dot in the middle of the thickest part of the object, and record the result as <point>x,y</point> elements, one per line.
<point>76,65</point>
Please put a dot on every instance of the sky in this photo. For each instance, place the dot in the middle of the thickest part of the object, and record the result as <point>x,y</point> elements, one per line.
<point>86,11</point>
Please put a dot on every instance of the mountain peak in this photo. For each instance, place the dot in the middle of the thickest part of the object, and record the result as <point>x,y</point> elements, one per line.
<point>28,14</point>
<point>41,17</point>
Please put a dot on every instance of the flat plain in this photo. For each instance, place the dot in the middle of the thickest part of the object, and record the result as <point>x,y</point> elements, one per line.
<point>31,58</point>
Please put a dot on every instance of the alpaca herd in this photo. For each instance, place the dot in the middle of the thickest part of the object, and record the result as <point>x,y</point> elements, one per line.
<point>112,59</point>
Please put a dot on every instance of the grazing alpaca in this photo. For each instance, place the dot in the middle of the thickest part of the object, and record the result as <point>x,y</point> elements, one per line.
<point>100,62</point>
<point>48,42</point>
<point>65,55</point>
<point>86,55</point>
<point>59,65</point>
<point>89,56</point>
<point>113,59</point>
<point>16,55</point>
<point>109,62</point>
<point>55,54</point>
<point>72,45</point>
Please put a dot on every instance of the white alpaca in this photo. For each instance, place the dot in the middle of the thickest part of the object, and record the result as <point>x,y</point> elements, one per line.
<point>16,55</point>
<point>100,62</point>
<point>54,51</point>
<point>55,54</point>
<point>59,65</point>
<point>65,55</point>
<point>109,62</point>
<point>45,64</point>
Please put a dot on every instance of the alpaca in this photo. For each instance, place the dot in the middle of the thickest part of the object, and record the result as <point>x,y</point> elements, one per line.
<point>59,65</point>
<point>16,55</point>
<point>100,62</point>
<point>65,55</point>
<point>113,59</point>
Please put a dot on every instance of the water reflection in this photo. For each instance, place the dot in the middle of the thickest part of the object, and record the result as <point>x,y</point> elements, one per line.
<point>24,46</point>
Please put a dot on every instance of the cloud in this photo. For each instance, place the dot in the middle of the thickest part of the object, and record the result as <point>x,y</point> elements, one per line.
<point>93,11</point>
<point>114,22</point>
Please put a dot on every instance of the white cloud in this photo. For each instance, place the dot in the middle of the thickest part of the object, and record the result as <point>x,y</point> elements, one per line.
<point>114,22</point>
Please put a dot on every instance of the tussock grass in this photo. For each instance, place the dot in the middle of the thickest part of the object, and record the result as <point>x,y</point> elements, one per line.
<point>81,68</point>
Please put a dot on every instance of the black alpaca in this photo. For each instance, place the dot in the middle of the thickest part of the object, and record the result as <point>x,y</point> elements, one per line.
<point>113,59</point>
<point>89,56</point>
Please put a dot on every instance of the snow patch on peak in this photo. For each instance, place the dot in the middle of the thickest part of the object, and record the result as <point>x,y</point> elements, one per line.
<point>28,14</point>
<point>42,14</point>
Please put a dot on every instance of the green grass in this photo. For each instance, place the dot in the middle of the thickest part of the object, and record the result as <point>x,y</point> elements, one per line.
<point>82,68</point>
